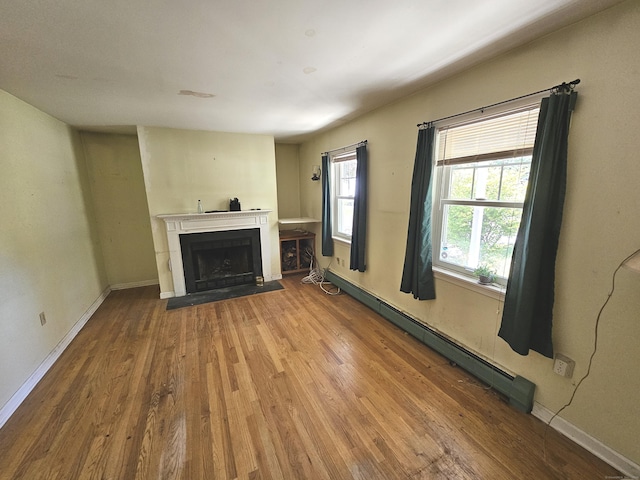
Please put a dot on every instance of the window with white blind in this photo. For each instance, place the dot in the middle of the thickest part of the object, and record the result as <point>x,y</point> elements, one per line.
<point>343,184</point>
<point>482,172</point>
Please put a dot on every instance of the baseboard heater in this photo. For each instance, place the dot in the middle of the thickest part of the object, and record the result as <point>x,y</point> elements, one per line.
<point>517,389</point>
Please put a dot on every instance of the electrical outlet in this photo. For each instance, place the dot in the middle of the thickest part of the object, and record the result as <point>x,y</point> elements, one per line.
<point>563,365</point>
<point>43,319</point>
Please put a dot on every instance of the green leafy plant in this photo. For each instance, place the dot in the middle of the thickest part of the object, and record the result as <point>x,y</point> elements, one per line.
<point>485,274</point>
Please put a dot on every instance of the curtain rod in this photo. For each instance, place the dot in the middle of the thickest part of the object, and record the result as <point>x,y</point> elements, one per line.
<point>363,142</point>
<point>558,88</point>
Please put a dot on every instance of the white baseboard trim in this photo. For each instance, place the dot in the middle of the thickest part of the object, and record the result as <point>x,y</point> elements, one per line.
<point>629,468</point>
<point>143,283</point>
<point>14,402</point>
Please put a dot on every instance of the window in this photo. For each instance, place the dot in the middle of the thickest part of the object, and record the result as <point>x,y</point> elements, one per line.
<point>343,185</point>
<point>482,172</point>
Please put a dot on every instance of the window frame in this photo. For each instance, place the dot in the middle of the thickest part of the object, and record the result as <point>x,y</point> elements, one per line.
<point>442,184</point>
<point>335,160</point>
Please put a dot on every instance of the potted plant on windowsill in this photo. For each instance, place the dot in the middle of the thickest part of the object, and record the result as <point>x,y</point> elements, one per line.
<point>486,275</point>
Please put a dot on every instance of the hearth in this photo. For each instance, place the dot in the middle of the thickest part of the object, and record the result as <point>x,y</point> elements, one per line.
<point>213,260</point>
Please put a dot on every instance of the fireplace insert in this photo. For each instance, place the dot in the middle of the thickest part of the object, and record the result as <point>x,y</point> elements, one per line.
<point>214,260</point>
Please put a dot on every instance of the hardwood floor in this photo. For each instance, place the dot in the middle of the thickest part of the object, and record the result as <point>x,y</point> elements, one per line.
<point>292,384</point>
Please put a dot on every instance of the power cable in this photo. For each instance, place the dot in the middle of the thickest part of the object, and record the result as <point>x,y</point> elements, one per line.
<point>316,275</point>
<point>593,353</point>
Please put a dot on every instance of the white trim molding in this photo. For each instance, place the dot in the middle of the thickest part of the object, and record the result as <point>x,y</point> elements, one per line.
<point>185,223</point>
<point>629,468</point>
<point>14,402</point>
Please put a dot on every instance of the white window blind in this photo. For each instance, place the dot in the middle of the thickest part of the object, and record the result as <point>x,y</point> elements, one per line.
<point>343,157</point>
<point>489,138</point>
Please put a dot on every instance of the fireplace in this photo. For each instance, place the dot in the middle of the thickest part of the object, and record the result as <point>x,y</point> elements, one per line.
<point>183,225</point>
<point>214,260</point>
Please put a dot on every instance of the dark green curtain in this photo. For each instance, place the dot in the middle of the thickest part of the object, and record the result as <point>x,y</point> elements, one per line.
<point>327,239</point>
<point>417,275</point>
<point>359,231</point>
<point>528,306</point>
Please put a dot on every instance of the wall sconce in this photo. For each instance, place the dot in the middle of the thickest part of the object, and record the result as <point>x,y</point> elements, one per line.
<point>315,173</point>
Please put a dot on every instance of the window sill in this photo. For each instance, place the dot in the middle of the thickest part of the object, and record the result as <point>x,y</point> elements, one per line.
<point>494,290</point>
<point>342,240</point>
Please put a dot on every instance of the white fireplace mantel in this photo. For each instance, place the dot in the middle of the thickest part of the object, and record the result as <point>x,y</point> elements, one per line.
<point>185,223</point>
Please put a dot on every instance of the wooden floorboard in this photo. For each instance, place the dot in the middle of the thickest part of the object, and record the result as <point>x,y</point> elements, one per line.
<point>291,384</point>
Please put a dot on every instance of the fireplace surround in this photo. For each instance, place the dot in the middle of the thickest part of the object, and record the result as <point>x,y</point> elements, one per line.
<point>184,225</point>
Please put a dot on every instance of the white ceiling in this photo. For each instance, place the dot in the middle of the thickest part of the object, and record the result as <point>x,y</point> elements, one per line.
<point>284,68</point>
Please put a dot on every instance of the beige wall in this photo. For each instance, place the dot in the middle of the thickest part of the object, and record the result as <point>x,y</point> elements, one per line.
<point>122,214</point>
<point>50,257</point>
<point>601,222</point>
<point>49,252</point>
<point>288,180</point>
<point>182,166</point>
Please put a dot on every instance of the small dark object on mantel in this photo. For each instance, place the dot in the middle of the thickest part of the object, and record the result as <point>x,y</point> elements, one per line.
<point>234,205</point>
